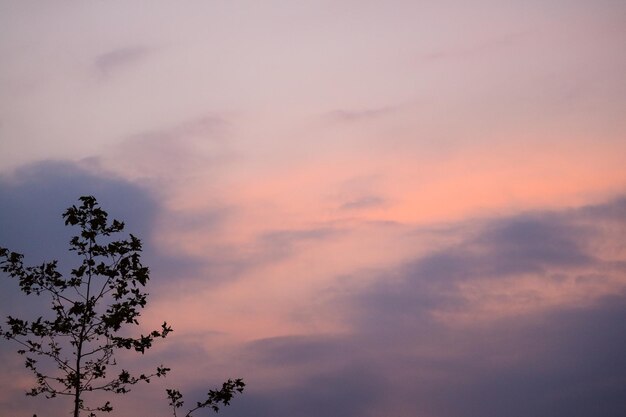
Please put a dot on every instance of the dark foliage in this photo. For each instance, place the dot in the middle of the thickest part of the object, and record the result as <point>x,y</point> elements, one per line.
<point>90,307</point>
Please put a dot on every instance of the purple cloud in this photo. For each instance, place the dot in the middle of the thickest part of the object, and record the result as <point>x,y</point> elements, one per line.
<point>119,58</point>
<point>398,359</point>
<point>363,203</point>
<point>347,116</point>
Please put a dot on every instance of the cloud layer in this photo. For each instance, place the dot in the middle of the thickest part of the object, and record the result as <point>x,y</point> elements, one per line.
<point>413,209</point>
<point>412,351</point>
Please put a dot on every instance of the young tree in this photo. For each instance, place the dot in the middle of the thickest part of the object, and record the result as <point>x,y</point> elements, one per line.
<point>90,309</point>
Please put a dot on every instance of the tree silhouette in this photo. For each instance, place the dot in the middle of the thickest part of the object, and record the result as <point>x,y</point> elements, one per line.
<point>90,307</point>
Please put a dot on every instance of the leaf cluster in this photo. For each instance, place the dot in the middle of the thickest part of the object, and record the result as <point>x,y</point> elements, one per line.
<point>222,396</point>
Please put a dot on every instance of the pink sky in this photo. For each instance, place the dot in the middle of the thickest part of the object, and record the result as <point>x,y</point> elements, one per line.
<point>362,208</point>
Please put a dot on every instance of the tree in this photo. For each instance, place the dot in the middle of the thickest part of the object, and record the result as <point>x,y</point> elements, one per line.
<point>90,308</point>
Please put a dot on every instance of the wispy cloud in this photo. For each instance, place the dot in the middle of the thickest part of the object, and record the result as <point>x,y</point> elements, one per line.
<point>491,45</point>
<point>347,116</point>
<point>173,151</point>
<point>196,127</point>
<point>363,203</point>
<point>116,59</point>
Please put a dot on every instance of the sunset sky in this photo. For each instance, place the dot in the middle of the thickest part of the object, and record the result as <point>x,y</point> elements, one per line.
<point>363,208</point>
